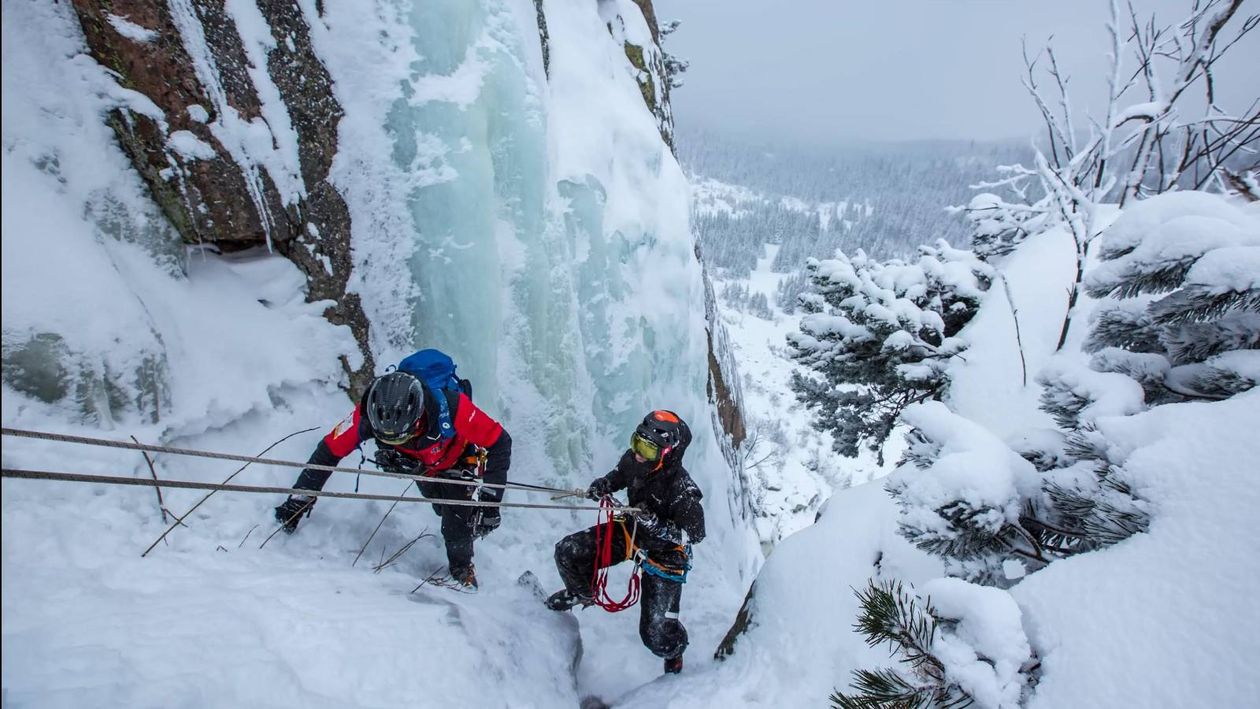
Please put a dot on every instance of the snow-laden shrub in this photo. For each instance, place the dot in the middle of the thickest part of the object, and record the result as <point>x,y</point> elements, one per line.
<point>998,226</point>
<point>994,514</point>
<point>967,499</point>
<point>878,337</point>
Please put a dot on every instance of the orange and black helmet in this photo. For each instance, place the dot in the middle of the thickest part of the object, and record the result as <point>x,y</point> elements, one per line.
<point>662,435</point>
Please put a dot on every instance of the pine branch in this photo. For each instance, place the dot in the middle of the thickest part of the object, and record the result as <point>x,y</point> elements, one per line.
<point>893,615</point>
<point>1163,278</point>
<point>883,689</point>
<point>1198,303</point>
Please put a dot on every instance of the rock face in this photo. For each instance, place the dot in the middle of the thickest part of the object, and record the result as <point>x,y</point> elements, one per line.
<point>645,55</point>
<point>241,136</point>
<point>544,40</point>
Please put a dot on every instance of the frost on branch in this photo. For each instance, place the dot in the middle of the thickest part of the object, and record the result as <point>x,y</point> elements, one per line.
<point>1146,144</point>
<point>878,335</point>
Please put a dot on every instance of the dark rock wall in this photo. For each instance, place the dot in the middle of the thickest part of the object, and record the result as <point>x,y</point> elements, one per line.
<point>215,200</point>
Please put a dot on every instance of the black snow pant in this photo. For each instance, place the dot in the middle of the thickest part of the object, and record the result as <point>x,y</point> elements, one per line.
<point>659,627</point>
<point>458,521</point>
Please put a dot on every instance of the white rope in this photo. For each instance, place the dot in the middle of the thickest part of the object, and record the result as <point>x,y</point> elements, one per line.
<point>145,482</point>
<point>107,443</point>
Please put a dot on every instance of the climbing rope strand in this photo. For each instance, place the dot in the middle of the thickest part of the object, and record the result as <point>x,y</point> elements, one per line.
<point>145,482</point>
<point>107,443</point>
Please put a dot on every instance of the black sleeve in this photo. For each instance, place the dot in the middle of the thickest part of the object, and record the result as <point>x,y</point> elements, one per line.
<point>314,479</point>
<point>685,524</point>
<point>615,479</point>
<point>689,516</point>
<point>498,460</point>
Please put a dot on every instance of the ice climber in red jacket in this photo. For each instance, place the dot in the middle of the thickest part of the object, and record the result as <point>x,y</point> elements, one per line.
<point>402,414</point>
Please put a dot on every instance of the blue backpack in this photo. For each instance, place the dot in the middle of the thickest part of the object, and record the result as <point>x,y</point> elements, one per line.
<point>437,370</point>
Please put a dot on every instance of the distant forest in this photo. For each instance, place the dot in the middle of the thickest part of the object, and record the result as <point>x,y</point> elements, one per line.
<point>885,198</point>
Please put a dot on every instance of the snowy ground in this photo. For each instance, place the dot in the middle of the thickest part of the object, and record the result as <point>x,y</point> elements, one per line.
<point>210,619</point>
<point>791,466</point>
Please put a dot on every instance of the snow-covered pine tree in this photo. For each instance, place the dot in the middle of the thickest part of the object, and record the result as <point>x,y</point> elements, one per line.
<point>675,66</point>
<point>965,496</point>
<point>1087,500</point>
<point>1180,279</point>
<point>1182,271</point>
<point>877,337</point>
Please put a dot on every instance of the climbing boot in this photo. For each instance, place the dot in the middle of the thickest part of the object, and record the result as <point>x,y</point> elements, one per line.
<point>673,665</point>
<point>564,600</point>
<point>465,576</point>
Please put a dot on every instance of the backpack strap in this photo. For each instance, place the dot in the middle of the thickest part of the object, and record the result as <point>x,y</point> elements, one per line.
<point>440,408</point>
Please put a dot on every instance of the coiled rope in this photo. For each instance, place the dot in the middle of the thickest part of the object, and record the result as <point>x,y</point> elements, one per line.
<point>605,531</point>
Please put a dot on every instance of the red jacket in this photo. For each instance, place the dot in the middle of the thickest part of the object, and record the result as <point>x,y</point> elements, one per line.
<point>472,427</point>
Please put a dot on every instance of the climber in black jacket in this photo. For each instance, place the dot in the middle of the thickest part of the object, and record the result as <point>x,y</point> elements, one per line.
<point>670,520</point>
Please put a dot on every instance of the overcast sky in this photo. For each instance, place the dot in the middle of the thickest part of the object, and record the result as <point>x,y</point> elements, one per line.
<point>843,70</point>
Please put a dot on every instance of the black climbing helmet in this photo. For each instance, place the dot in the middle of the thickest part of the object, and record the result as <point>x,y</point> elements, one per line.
<point>662,435</point>
<point>395,405</point>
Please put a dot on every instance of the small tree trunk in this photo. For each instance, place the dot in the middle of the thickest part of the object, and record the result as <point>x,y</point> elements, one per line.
<point>1019,340</point>
<point>1073,294</point>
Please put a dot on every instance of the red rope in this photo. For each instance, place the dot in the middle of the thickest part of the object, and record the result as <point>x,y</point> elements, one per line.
<point>604,533</point>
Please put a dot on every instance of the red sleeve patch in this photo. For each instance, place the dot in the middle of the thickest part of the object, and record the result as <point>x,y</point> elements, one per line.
<point>345,435</point>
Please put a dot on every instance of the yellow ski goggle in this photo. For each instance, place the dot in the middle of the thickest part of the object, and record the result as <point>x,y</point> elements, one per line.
<point>644,448</point>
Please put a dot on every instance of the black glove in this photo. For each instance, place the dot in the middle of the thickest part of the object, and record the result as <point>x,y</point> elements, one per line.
<point>292,510</point>
<point>599,489</point>
<point>487,521</point>
<point>394,461</point>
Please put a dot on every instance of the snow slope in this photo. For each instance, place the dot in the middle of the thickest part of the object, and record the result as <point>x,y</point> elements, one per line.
<point>1166,618</point>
